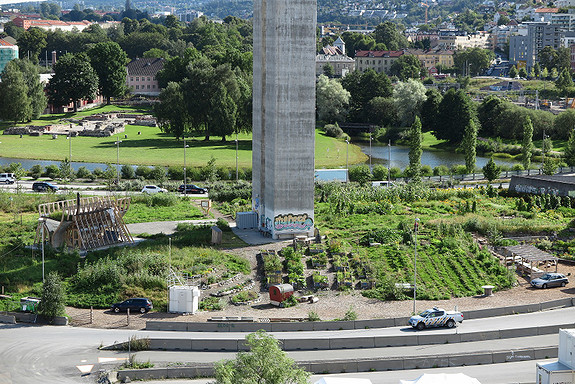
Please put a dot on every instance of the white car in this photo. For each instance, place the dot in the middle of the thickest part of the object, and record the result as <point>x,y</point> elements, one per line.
<point>153,189</point>
<point>435,317</point>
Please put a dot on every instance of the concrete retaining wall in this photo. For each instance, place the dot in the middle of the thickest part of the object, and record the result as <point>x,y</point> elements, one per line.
<point>344,325</point>
<point>7,319</point>
<point>314,343</point>
<point>353,365</point>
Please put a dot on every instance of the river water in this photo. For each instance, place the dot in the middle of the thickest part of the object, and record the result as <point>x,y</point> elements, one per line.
<point>380,154</point>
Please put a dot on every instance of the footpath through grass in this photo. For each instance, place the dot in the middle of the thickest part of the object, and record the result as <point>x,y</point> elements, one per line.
<point>141,145</point>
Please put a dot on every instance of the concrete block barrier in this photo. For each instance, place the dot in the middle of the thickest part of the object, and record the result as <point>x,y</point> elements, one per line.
<point>479,336</point>
<point>252,327</point>
<point>518,332</point>
<point>60,320</point>
<point>520,355</point>
<point>479,358</point>
<point>7,319</point>
<point>377,323</point>
<point>189,372</point>
<point>155,325</point>
<point>171,344</point>
<point>380,365</point>
<point>292,327</point>
<point>352,343</point>
<point>438,339</point>
<point>559,303</point>
<point>395,341</point>
<point>332,325</point>
<point>214,345</point>
<point>333,366</point>
<point>142,374</point>
<point>546,352</point>
<point>305,344</point>
<point>500,356</point>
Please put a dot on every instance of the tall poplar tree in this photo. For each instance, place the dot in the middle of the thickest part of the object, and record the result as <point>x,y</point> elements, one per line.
<point>14,101</point>
<point>415,151</point>
<point>527,144</point>
<point>469,145</point>
<point>570,150</point>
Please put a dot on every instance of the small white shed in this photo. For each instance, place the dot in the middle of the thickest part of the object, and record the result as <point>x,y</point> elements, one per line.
<point>183,299</point>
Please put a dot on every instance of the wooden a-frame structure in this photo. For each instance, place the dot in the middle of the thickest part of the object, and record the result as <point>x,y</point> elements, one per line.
<point>85,223</point>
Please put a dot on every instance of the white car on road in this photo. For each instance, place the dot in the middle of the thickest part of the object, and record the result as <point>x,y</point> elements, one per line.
<point>153,189</point>
<point>435,317</point>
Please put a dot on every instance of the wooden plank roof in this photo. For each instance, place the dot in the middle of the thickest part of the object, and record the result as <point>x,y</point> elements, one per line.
<point>530,253</point>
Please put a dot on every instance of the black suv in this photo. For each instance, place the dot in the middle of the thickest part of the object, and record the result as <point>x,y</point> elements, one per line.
<point>41,186</point>
<point>191,188</point>
<point>140,304</point>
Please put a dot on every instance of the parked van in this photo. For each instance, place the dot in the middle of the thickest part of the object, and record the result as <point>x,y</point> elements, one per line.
<point>382,184</point>
<point>7,178</point>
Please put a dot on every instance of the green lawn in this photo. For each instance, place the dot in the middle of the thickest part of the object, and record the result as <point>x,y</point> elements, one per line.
<point>152,147</point>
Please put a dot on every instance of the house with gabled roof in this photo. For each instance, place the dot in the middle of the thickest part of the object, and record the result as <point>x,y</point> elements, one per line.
<point>141,78</point>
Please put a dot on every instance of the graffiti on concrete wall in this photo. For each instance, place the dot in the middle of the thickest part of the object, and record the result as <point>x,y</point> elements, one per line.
<point>535,190</point>
<point>291,222</point>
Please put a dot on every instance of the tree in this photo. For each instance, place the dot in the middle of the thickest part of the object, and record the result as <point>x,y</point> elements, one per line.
<point>491,171</point>
<point>570,150</point>
<point>522,73</point>
<point>488,114</point>
<point>456,110</point>
<point>513,72</point>
<point>564,123</point>
<point>430,110</point>
<point>328,70</point>
<point>172,112</point>
<point>66,171</point>
<point>415,138</point>
<point>406,67</point>
<point>332,100</point>
<point>264,363</point>
<point>382,111</point>
<point>564,81</point>
<point>537,70</point>
<point>469,145</point>
<point>74,80</point>
<point>35,89</point>
<point>473,60</point>
<point>391,36</point>
<point>408,97</point>
<point>527,143</point>
<point>31,43</point>
<point>362,88</point>
<point>109,61</point>
<point>53,297</point>
<point>14,101</point>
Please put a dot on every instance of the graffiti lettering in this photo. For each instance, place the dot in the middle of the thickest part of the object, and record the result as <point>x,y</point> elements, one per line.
<point>293,222</point>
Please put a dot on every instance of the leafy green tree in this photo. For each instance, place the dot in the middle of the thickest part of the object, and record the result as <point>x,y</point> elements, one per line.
<point>554,73</point>
<point>549,166</point>
<point>469,145</point>
<point>563,59</point>
<point>527,143</point>
<point>110,175</point>
<point>430,110</point>
<point>156,53</point>
<point>564,124</point>
<point>415,139</point>
<point>53,297</point>
<point>127,172</point>
<point>522,73</point>
<point>109,61</point>
<point>31,43</point>
<point>175,67</point>
<point>14,101</point>
<point>473,60</point>
<point>172,112</point>
<point>547,144</point>
<point>487,113</point>
<point>456,110</point>
<point>66,171</point>
<point>74,80</point>
<point>363,87</point>
<point>491,171</point>
<point>332,100</point>
<point>406,67</point>
<point>355,41</point>
<point>360,174</point>
<point>547,57</point>
<point>328,70</point>
<point>544,73</point>
<point>564,82</point>
<point>35,89</point>
<point>389,34</point>
<point>537,70</point>
<point>408,97</point>
<point>513,72</point>
<point>570,150</point>
<point>264,363</point>
<point>382,111</point>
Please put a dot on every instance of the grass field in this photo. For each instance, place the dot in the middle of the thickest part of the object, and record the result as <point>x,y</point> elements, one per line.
<point>153,147</point>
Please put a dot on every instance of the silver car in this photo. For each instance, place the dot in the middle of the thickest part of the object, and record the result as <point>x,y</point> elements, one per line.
<point>549,280</point>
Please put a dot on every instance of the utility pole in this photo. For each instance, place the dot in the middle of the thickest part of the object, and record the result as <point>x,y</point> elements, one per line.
<point>415,228</point>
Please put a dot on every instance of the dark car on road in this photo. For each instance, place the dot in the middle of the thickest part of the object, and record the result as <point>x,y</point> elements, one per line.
<point>191,188</point>
<point>549,280</point>
<point>43,186</point>
<point>139,304</point>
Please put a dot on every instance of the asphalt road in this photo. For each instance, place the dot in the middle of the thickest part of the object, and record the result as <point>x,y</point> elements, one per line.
<point>34,354</point>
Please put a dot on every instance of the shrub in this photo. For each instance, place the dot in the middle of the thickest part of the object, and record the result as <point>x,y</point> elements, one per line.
<point>36,171</point>
<point>458,169</point>
<point>426,171</point>
<point>223,225</point>
<point>440,170</point>
<point>379,172</point>
<point>52,171</point>
<point>143,171</point>
<point>127,172</point>
<point>350,315</point>
<point>333,130</point>
<point>395,172</point>
<point>158,173</point>
<point>231,191</point>
<point>83,173</point>
<point>360,173</point>
<point>53,297</point>
<point>176,172</point>
<point>313,316</point>
<point>98,173</point>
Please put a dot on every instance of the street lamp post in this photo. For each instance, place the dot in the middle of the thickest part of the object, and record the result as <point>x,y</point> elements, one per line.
<point>185,176</point>
<point>389,163</point>
<point>347,160</point>
<point>70,144</point>
<point>370,151</point>
<point>237,177</point>
<point>415,228</point>
<point>117,142</point>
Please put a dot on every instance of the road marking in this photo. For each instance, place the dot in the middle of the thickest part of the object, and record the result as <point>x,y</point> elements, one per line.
<point>109,359</point>
<point>84,369</point>
<point>83,361</point>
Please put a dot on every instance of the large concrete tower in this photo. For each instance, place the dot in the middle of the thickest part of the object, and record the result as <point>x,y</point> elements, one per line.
<point>284,115</point>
